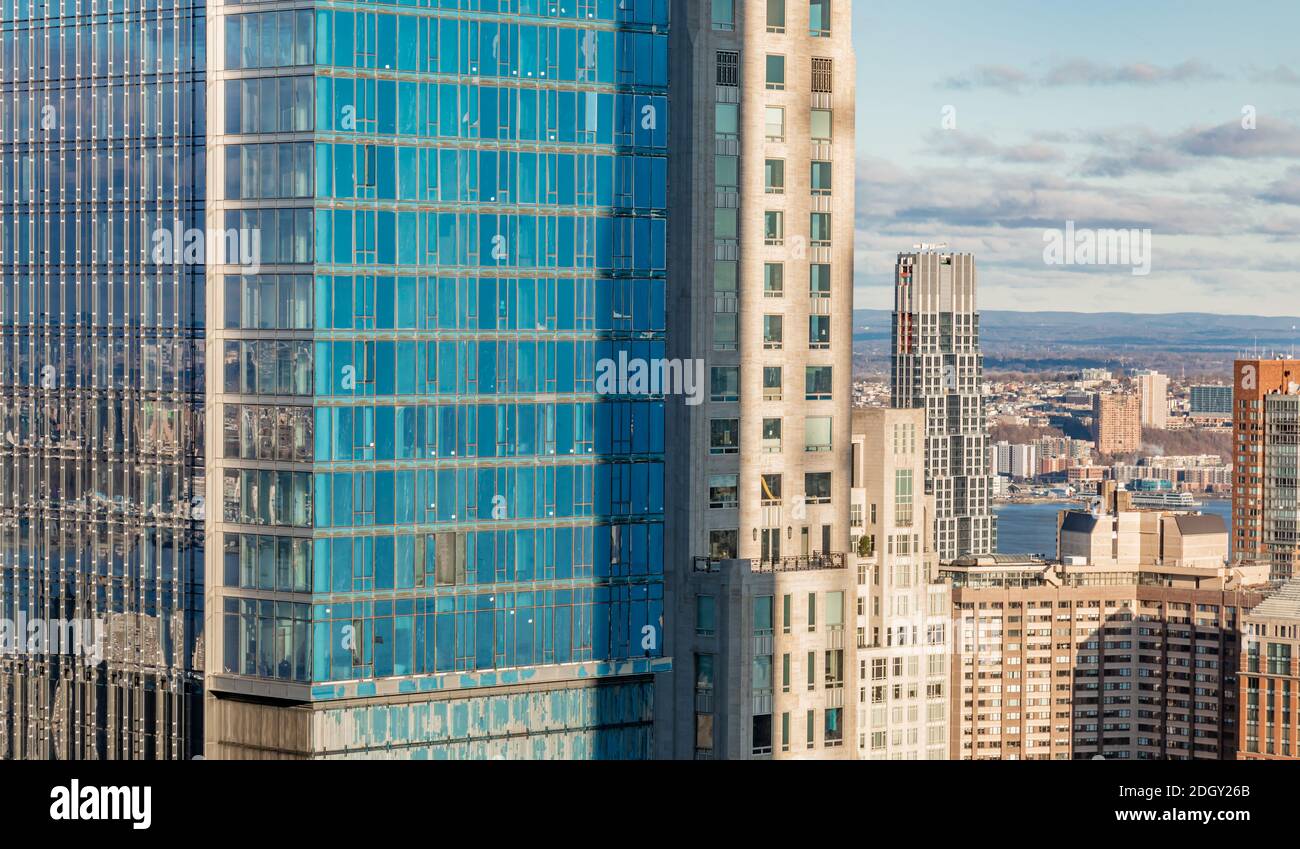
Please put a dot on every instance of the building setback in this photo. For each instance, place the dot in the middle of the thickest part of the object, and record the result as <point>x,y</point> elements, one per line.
<point>937,367</point>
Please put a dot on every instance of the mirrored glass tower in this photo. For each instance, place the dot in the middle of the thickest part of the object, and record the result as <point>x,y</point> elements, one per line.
<point>102,138</point>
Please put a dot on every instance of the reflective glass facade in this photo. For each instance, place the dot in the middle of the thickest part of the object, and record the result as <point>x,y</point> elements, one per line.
<point>102,139</point>
<point>461,212</point>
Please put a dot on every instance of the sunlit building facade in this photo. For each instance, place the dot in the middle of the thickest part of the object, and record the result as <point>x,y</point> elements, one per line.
<point>437,536</point>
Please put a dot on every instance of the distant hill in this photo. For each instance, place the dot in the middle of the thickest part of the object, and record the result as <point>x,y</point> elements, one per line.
<point>1192,342</point>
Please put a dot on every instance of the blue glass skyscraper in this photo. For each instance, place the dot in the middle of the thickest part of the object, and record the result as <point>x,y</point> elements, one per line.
<point>432,535</point>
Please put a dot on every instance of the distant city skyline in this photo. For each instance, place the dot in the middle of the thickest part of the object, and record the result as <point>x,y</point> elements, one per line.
<point>1061,115</point>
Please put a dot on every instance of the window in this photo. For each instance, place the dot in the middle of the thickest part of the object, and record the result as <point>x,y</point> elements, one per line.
<point>819,229</point>
<point>770,490</point>
<point>787,603</point>
<point>724,287</point>
<point>812,620</point>
<point>812,728</point>
<point>817,434</point>
<point>763,729</point>
<point>724,492</point>
<point>775,123</point>
<point>724,14</point>
<point>724,331</point>
<point>727,118</point>
<point>728,68</point>
<point>903,497</point>
<point>773,280</point>
<point>774,227</point>
<point>834,729</point>
<point>774,176</point>
<point>775,73</point>
<point>268,40</point>
<point>821,177</point>
<point>821,125</point>
<point>763,621</point>
<point>722,544</point>
<point>773,333</point>
<point>817,487</point>
<point>776,15</point>
<point>771,436</point>
<point>823,74</point>
<point>819,332</point>
<point>726,172</point>
<point>724,384</point>
<point>772,383</point>
<point>819,281</point>
<point>724,436</point>
<point>706,615</point>
<point>819,18</point>
<point>817,383</point>
<point>835,617</point>
<point>726,225</point>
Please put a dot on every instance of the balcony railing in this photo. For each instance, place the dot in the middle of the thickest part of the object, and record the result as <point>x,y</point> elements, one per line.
<point>802,563</point>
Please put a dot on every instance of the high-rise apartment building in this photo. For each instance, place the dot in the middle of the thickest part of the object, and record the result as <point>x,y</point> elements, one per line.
<point>436,533</point>
<point>1153,390</point>
<point>937,367</point>
<point>1211,402</point>
<point>1015,461</point>
<point>1270,678</point>
<point>1117,422</point>
<point>1059,662</point>
<point>761,663</point>
<point>761,270</point>
<point>762,259</point>
<point>1281,484</point>
<point>903,608</point>
<point>1265,513</point>
<point>102,124</point>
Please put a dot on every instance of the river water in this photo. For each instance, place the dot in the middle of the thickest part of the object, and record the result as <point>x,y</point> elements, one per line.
<point>1031,528</point>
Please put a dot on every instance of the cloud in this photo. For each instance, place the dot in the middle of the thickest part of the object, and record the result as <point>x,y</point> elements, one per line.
<point>1284,191</point>
<point>1210,242</point>
<point>1281,75</point>
<point>1084,72</point>
<point>1270,139</point>
<point>990,76</point>
<point>956,143</point>
<point>1121,152</point>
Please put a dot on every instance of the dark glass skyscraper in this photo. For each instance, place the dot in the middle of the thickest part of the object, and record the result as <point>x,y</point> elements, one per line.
<point>434,535</point>
<point>102,136</point>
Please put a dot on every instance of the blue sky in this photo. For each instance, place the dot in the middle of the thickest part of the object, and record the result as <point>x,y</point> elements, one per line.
<point>1105,113</point>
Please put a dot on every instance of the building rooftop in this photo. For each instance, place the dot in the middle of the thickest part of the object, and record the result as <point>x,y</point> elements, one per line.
<point>1077,521</point>
<point>1019,560</point>
<point>1283,604</point>
<point>1204,523</point>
